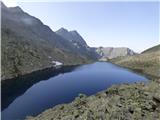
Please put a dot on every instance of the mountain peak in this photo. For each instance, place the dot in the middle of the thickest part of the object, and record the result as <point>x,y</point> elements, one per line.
<point>73,36</point>
<point>16,9</point>
<point>62,30</point>
<point>12,9</point>
<point>3,5</point>
<point>74,32</point>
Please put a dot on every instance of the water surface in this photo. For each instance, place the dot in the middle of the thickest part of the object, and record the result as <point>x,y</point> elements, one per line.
<point>65,86</point>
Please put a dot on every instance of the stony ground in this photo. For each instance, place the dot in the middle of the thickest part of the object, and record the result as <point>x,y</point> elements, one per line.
<point>137,101</point>
<point>124,102</point>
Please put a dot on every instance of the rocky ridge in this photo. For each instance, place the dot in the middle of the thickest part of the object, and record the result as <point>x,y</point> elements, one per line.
<point>72,36</point>
<point>28,45</point>
<point>77,40</point>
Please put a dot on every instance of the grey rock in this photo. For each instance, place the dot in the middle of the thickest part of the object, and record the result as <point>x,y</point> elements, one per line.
<point>110,52</point>
<point>72,36</point>
<point>77,41</point>
<point>123,102</point>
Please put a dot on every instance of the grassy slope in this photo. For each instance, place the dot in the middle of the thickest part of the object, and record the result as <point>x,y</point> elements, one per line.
<point>21,55</point>
<point>153,49</point>
<point>129,102</point>
<point>146,63</point>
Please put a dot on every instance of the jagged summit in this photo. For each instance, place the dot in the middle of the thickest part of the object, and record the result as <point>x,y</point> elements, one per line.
<point>12,9</point>
<point>29,45</point>
<point>62,29</point>
<point>72,36</point>
<point>16,9</point>
<point>3,5</point>
<point>74,32</point>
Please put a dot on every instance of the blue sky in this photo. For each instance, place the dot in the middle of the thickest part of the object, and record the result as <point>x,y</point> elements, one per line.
<point>118,24</point>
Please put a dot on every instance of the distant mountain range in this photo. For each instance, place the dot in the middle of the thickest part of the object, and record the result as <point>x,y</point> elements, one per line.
<point>110,52</point>
<point>29,45</point>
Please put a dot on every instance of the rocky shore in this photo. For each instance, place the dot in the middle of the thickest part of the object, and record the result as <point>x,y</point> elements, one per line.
<point>123,102</point>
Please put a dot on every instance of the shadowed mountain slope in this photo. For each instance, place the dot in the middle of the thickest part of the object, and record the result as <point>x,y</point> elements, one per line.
<point>29,45</point>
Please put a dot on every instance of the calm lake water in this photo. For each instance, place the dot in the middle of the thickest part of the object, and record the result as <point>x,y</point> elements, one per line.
<point>64,87</point>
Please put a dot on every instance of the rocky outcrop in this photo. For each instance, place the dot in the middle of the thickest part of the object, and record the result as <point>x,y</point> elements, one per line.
<point>129,102</point>
<point>72,36</point>
<point>76,40</point>
<point>110,52</point>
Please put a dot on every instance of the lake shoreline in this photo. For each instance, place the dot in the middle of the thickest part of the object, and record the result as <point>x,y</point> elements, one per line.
<point>39,70</point>
<point>147,105</point>
<point>28,80</point>
<point>137,71</point>
<point>81,79</point>
<point>117,101</point>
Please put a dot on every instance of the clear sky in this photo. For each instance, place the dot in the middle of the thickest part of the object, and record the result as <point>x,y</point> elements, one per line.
<point>118,24</point>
